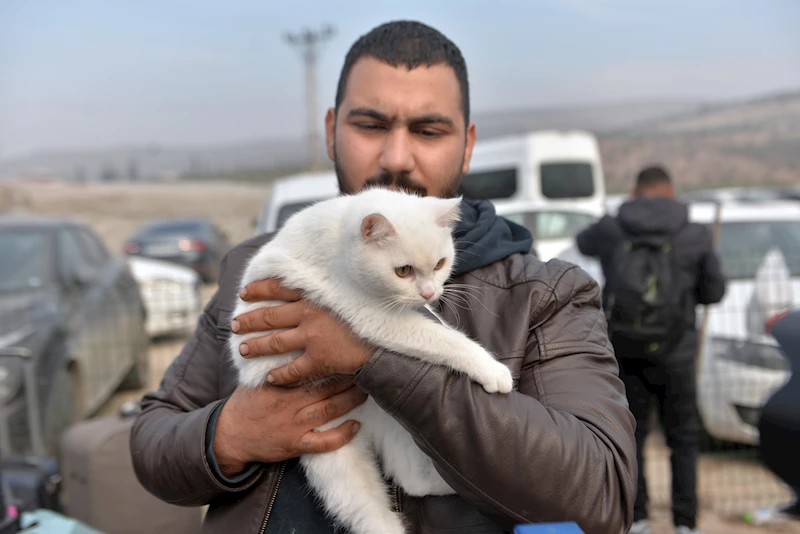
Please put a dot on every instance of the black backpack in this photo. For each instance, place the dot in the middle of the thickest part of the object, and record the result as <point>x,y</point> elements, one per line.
<point>645,302</point>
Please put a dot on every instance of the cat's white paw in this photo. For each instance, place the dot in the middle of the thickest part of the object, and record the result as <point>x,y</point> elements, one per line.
<point>497,378</point>
<point>386,523</point>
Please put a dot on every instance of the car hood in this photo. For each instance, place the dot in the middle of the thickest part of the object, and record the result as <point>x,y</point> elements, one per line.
<point>547,249</point>
<point>148,269</point>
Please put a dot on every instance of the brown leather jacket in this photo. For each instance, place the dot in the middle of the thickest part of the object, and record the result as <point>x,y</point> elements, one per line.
<point>560,448</point>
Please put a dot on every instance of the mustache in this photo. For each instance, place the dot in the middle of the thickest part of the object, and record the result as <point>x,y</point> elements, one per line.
<point>399,180</point>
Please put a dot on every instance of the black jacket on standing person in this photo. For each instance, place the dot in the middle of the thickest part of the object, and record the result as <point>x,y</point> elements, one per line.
<point>700,274</point>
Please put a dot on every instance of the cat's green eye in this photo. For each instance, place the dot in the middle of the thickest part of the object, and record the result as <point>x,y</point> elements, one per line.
<point>403,271</point>
<point>439,265</point>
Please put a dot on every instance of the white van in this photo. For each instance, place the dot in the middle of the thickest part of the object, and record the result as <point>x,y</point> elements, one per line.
<point>290,194</point>
<point>551,168</point>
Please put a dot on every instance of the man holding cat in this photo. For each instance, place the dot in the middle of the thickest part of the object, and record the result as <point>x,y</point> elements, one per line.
<point>559,447</point>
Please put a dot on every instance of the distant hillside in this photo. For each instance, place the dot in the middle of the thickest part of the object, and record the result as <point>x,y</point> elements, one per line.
<point>703,145</point>
<point>600,119</point>
<point>144,163</point>
<point>748,143</point>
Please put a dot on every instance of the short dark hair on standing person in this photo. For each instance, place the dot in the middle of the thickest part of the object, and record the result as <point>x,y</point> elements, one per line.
<point>410,44</point>
<point>652,176</point>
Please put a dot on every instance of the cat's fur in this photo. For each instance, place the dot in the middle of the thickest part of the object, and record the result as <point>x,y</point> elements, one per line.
<point>343,254</point>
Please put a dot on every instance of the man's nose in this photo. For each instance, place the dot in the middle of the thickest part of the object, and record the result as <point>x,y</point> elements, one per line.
<point>397,156</point>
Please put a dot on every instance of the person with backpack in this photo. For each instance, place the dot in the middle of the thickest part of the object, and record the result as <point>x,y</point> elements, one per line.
<point>658,267</point>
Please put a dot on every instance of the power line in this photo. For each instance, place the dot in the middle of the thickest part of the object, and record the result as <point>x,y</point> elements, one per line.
<point>309,43</point>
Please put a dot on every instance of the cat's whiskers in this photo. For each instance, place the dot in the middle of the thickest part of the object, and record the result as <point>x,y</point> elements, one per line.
<point>460,291</point>
<point>451,306</point>
<point>456,299</point>
<point>463,293</point>
<point>461,251</point>
<point>465,287</point>
<point>392,304</point>
<point>463,290</point>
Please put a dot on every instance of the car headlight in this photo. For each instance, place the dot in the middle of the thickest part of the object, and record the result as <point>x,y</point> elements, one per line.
<point>748,353</point>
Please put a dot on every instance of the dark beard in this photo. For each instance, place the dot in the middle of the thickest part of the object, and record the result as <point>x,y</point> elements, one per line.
<point>400,181</point>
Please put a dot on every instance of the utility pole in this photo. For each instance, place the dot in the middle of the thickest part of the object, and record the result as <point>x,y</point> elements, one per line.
<point>309,42</point>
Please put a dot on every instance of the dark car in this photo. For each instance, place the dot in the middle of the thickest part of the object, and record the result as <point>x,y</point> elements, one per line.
<point>779,422</point>
<point>196,243</point>
<point>79,312</point>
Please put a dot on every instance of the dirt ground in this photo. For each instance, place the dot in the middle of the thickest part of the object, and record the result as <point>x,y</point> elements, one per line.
<point>729,483</point>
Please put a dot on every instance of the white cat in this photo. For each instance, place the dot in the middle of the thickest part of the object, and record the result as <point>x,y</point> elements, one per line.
<point>374,259</point>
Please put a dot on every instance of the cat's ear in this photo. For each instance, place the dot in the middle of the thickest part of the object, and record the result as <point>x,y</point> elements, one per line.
<point>376,228</point>
<point>448,211</point>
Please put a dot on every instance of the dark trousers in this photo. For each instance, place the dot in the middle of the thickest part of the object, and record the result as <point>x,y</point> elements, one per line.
<point>672,382</point>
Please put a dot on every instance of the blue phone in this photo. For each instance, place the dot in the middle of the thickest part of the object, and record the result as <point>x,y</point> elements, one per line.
<point>549,528</point>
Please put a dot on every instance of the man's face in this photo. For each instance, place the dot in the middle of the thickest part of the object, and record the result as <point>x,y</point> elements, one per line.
<point>400,128</point>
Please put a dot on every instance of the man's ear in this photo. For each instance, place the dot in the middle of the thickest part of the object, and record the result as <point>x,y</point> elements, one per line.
<point>470,145</point>
<point>375,228</point>
<point>330,133</point>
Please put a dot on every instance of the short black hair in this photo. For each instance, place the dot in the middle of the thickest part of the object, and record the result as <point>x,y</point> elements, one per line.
<point>651,176</point>
<point>408,43</point>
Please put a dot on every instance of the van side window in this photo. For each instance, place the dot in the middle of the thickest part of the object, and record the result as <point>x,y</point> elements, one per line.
<point>566,180</point>
<point>483,185</point>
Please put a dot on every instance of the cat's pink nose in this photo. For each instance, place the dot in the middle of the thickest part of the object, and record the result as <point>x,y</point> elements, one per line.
<point>427,289</point>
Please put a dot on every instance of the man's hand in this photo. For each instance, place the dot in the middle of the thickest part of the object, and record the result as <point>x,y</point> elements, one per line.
<point>271,424</point>
<point>330,347</point>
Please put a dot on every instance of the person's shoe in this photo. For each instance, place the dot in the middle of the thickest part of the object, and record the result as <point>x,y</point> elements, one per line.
<point>687,530</point>
<point>640,527</point>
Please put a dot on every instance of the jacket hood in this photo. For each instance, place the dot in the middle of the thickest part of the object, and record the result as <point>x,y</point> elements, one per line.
<point>653,215</point>
<point>483,238</point>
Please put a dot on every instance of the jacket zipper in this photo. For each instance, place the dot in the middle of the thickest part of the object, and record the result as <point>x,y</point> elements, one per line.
<point>396,507</point>
<point>272,499</point>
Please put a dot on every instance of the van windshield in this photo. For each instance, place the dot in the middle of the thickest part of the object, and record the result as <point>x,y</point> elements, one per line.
<point>566,180</point>
<point>489,185</point>
<point>287,210</point>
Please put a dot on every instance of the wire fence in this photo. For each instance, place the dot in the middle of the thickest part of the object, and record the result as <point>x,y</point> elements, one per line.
<point>100,332</point>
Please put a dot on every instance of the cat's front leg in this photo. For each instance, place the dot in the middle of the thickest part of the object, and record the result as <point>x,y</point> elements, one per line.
<point>414,335</point>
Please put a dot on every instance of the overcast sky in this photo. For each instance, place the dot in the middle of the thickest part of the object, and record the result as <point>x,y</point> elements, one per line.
<point>86,73</point>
